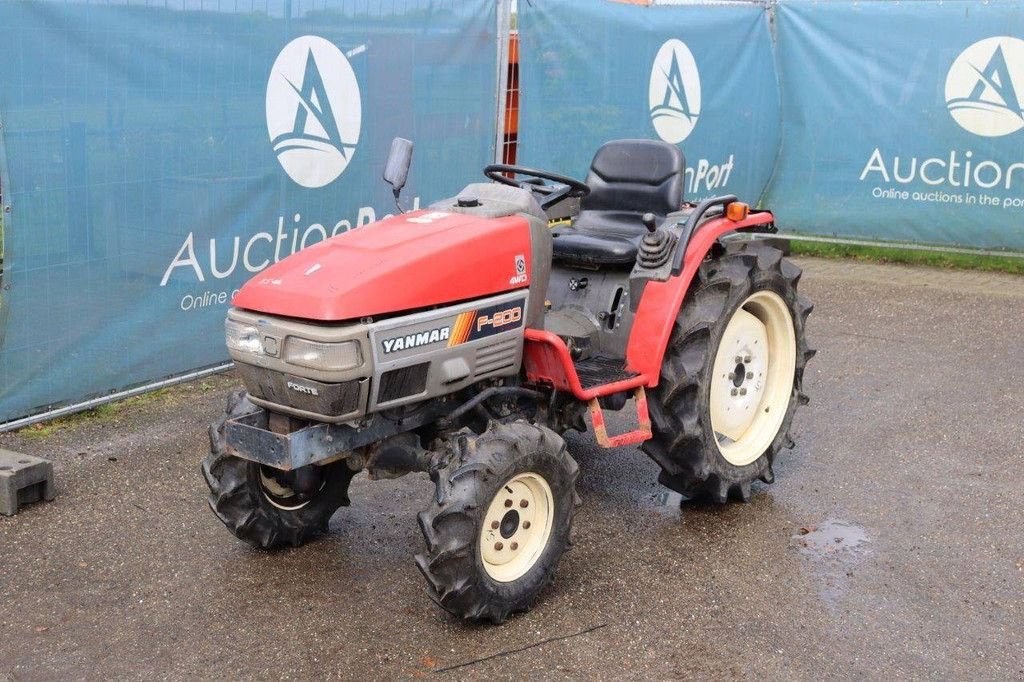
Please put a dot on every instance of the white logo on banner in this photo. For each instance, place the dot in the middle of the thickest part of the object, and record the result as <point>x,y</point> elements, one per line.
<point>674,93</point>
<point>314,112</point>
<point>985,85</point>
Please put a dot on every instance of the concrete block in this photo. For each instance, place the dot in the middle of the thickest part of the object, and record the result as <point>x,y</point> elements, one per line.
<point>24,479</point>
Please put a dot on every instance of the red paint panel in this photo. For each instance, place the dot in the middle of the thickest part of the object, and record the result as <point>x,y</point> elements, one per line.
<point>404,262</point>
<point>661,301</point>
<point>547,360</point>
<point>638,435</point>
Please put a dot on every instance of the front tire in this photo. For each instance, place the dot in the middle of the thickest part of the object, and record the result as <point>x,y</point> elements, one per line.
<point>732,376</point>
<point>500,520</point>
<point>257,503</point>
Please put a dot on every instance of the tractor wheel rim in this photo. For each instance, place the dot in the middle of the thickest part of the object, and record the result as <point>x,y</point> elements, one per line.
<point>517,527</point>
<point>752,378</point>
<point>281,496</point>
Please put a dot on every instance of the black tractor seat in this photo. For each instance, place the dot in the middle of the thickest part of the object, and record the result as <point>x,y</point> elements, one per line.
<point>627,179</point>
<point>585,248</point>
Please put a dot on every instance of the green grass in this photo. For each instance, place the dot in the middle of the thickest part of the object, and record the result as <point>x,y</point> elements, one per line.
<point>101,414</point>
<point>113,412</point>
<point>884,254</point>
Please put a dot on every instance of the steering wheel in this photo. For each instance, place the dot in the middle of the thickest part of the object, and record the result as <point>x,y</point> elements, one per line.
<point>552,194</point>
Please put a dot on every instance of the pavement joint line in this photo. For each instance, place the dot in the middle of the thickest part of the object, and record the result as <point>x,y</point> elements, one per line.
<point>509,652</point>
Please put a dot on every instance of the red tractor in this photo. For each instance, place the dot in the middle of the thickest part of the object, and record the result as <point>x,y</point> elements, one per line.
<point>463,339</point>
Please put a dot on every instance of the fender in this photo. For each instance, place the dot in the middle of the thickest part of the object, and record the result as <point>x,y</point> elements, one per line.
<point>547,359</point>
<point>661,301</point>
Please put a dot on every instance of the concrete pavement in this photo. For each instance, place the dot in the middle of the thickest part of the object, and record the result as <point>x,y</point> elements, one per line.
<point>889,545</point>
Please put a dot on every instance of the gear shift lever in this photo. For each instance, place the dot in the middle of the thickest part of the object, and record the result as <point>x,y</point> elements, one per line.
<point>656,246</point>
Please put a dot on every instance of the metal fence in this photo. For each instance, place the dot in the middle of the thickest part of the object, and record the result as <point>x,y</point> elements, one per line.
<point>851,119</point>
<point>151,152</point>
<point>158,154</point>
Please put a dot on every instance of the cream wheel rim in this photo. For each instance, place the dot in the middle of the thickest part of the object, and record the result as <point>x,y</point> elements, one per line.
<point>517,527</point>
<point>752,378</point>
<point>282,496</point>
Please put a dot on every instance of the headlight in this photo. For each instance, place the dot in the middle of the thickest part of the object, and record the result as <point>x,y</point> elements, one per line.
<point>242,337</point>
<point>323,356</point>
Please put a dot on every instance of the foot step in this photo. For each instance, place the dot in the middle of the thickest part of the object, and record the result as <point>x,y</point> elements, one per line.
<point>600,370</point>
<point>641,433</point>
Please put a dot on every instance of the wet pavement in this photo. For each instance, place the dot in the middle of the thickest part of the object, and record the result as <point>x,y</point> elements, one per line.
<point>889,545</point>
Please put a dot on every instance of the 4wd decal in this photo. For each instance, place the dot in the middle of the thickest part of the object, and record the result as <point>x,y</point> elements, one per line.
<point>479,324</point>
<point>520,276</point>
<point>416,340</point>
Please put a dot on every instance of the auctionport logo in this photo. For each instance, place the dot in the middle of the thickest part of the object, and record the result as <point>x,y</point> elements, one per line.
<point>985,85</point>
<point>674,92</point>
<point>314,112</point>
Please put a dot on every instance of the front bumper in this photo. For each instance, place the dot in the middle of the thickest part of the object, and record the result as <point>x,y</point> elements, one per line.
<point>250,437</point>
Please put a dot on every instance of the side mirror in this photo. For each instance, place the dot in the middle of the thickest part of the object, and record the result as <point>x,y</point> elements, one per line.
<point>396,172</point>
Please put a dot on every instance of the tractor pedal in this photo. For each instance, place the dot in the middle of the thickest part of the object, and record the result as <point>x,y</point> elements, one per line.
<point>638,435</point>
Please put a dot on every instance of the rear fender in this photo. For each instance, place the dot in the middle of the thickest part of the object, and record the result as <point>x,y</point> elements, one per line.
<point>661,301</point>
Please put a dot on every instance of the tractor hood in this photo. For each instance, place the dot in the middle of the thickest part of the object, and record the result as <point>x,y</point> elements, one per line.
<point>405,262</point>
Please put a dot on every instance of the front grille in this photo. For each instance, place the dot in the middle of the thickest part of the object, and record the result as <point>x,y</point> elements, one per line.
<point>332,400</point>
<point>403,382</point>
<point>496,357</point>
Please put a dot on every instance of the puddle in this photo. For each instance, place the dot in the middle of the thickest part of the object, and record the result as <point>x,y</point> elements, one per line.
<point>837,546</point>
<point>832,538</point>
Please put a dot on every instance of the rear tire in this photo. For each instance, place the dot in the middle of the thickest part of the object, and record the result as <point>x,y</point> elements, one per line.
<point>500,520</point>
<point>744,299</point>
<point>254,503</point>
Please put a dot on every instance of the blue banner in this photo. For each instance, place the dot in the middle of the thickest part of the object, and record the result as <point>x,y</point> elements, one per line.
<point>152,159</point>
<point>902,120</point>
<point>700,75</point>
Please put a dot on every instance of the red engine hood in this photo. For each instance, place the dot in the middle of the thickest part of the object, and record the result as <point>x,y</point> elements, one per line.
<point>403,262</point>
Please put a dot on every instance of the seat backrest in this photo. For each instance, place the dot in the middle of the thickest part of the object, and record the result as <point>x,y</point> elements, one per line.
<point>636,175</point>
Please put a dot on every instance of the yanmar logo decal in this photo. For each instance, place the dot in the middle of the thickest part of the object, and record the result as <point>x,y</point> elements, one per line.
<point>416,340</point>
<point>467,326</point>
